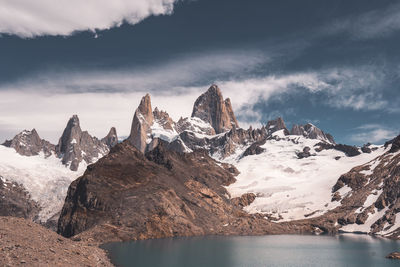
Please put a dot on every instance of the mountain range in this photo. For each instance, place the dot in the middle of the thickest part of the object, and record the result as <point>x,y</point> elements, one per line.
<point>200,175</point>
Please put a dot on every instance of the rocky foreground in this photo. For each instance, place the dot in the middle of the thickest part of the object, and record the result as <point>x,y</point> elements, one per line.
<point>25,243</point>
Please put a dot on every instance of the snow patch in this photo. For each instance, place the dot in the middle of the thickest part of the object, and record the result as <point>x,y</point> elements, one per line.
<point>46,179</point>
<point>289,186</point>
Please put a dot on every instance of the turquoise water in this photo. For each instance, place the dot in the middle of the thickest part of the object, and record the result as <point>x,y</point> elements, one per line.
<point>279,250</point>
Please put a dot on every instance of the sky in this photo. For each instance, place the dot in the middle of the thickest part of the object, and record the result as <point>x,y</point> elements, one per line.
<point>334,63</point>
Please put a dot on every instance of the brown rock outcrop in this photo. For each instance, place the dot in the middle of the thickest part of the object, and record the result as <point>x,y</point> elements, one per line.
<point>212,108</point>
<point>111,138</point>
<point>276,125</point>
<point>128,195</point>
<point>141,123</point>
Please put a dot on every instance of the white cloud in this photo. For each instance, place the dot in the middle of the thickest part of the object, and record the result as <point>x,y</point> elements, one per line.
<point>28,18</point>
<point>373,133</point>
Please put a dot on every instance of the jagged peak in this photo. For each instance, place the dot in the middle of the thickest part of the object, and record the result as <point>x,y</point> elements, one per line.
<point>212,108</point>
<point>74,120</point>
<point>111,139</point>
<point>145,105</point>
<point>142,120</point>
<point>311,131</point>
<point>214,88</point>
<point>276,125</point>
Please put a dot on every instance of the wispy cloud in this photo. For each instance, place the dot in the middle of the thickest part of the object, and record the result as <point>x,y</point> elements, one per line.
<point>377,23</point>
<point>373,133</point>
<point>27,18</point>
<point>109,98</point>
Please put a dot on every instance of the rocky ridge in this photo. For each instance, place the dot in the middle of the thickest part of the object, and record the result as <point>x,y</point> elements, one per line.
<point>165,175</point>
<point>128,195</point>
<point>213,126</point>
<point>74,146</point>
<point>212,108</point>
<point>28,143</point>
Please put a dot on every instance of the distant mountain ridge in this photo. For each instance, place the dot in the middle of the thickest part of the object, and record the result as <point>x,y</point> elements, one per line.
<point>246,181</point>
<point>74,146</point>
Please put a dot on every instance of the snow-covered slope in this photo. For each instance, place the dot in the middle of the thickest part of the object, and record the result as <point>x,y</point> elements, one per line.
<point>46,179</point>
<point>289,188</point>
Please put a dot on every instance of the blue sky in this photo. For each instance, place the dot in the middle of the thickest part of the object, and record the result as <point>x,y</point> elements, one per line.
<point>333,63</point>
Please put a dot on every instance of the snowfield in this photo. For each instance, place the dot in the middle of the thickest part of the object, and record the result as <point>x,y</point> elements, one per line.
<point>46,179</point>
<point>288,188</point>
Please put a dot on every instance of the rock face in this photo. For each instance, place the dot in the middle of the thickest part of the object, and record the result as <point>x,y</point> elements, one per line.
<point>371,197</point>
<point>194,125</point>
<point>76,145</point>
<point>163,119</point>
<point>395,144</point>
<point>276,125</point>
<point>128,195</point>
<point>24,243</point>
<point>212,108</point>
<point>111,138</point>
<point>28,143</point>
<point>311,131</point>
<point>350,151</point>
<point>254,149</point>
<point>141,123</point>
<point>15,201</point>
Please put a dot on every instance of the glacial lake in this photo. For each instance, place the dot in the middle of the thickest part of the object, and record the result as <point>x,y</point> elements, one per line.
<point>273,250</point>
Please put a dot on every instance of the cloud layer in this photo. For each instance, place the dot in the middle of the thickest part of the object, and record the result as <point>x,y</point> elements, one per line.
<point>373,133</point>
<point>105,99</point>
<point>27,18</point>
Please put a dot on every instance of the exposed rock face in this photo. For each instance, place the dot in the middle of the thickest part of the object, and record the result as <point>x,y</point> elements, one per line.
<point>128,195</point>
<point>25,243</point>
<point>377,181</point>
<point>366,148</point>
<point>163,119</point>
<point>15,201</point>
<point>212,108</point>
<point>111,138</point>
<point>311,131</point>
<point>254,149</point>
<point>395,144</point>
<point>226,144</point>
<point>276,125</point>
<point>350,151</point>
<point>194,125</point>
<point>305,153</point>
<point>141,123</point>
<point>28,143</point>
<point>76,145</point>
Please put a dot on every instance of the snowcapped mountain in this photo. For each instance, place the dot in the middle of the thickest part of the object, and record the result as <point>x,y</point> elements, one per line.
<point>46,179</point>
<point>291,173</point>
<point>281,175</point>
<point>45,170</point>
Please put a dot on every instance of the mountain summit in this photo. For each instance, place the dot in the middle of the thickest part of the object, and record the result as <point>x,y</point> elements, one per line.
<point>141,124</point>
<point>212,108</point>
<point>76,145</point>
